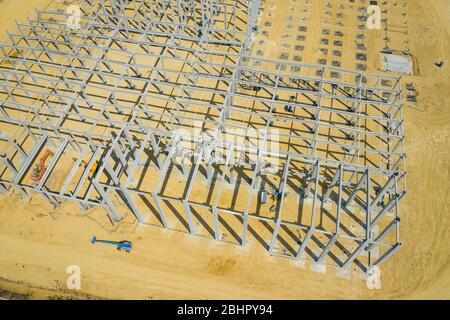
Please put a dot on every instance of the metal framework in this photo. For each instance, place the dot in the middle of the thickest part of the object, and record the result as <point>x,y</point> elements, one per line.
<point>166,99</point>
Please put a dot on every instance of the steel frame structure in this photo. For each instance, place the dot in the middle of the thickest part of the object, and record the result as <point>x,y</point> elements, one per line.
<point>161,93</point>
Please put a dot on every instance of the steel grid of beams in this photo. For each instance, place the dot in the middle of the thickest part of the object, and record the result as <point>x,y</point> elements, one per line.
<point>148,94</point>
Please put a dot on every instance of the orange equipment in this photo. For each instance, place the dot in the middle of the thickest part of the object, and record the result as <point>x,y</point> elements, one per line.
<point>39,169</point>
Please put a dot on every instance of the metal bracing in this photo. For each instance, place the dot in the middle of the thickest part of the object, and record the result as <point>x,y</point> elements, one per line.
<point>333,240</point>
<point>215,208</point>
<point>6,164</point>
<point>312,226</point>
<point>364,180</point>
<point>30,159</point>
<point>142,84</point>
<point>282,190</point>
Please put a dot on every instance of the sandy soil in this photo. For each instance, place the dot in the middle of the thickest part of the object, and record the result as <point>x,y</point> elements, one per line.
<point>38,243</point>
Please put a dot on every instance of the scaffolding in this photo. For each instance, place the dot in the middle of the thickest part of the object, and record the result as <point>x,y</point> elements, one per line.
<point>157,108</point>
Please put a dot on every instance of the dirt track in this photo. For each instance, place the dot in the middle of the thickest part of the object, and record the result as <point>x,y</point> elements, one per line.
<point>37,243</point>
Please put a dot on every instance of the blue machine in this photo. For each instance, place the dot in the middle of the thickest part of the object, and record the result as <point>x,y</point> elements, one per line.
<point>121,245</point>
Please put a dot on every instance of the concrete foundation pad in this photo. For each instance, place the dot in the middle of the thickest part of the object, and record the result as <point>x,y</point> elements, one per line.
<point>144,219</point>
<point>327,205</point>
<point>301,263</point>
<point>166,233</point>
<point>319,267</point>
<point>344,273</point>
<point>243,249</point>
<point>351,208</point>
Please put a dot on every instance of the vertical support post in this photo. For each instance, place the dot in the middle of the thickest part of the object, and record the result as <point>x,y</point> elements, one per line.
<point>3,189</point>
<point>219,192</point>
<point>366,241</point>
<point>280,204</point>
<point>249,200</point>
<point>338,219</point>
